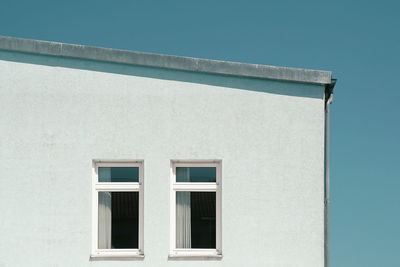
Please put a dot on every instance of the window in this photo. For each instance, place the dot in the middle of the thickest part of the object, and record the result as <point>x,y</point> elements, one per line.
<point>195,209</point>
<point>117,189</point>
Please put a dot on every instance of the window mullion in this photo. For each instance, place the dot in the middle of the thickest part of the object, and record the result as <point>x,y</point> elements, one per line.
<point>206,187</point>
<point>117,187</point>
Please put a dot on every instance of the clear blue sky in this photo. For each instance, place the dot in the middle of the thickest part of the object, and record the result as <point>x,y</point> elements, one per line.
<point>358,40</point>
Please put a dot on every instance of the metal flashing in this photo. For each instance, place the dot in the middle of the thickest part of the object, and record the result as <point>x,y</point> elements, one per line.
<point>165,61</point>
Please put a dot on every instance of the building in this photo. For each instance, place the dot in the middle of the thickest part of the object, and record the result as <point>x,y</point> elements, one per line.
<point>120,158</point>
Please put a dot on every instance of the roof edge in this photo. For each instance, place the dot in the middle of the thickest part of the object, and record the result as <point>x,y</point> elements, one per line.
<point>165,61</point>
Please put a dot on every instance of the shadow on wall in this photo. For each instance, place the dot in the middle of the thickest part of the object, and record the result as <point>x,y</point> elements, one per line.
<point>243,83</point>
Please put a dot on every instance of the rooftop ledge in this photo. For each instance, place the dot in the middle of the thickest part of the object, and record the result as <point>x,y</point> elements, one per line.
<point>165,61</point>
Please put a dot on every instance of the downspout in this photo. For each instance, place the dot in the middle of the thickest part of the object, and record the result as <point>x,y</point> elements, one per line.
<point>328,101</point>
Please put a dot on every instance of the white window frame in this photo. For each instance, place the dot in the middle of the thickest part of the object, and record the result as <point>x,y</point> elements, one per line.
<point>199,187</point>
<point>116,187</point>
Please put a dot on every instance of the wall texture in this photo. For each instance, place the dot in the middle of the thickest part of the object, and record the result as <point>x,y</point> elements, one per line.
<point>58,114</point>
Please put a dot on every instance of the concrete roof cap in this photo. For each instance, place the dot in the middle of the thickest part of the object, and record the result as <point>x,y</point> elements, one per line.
<point>165,61</point>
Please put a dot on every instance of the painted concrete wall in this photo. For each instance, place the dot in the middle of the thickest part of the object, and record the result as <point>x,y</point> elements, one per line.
<point>59,114</point>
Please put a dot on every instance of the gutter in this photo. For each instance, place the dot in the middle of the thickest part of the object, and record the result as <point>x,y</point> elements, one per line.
<point>328,100</point>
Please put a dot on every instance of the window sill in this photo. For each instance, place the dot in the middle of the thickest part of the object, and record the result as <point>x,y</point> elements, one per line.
<point>116,255</point>
<point>195,256</point>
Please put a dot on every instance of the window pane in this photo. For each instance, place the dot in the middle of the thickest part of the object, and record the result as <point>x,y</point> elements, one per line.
<point>196,174</point>
<point>119,174</point>
<point>195,220</point>
<point>118,220</point>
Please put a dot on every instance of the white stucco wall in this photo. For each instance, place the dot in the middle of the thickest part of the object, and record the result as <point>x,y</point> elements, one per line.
<point>59,114</point>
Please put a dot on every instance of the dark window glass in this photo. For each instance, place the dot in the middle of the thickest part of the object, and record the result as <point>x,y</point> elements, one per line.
<point>118,220</point>
<point>200,230</point>
<point>196,174</point>
<point>203,219</point>
<point>119,174</point>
